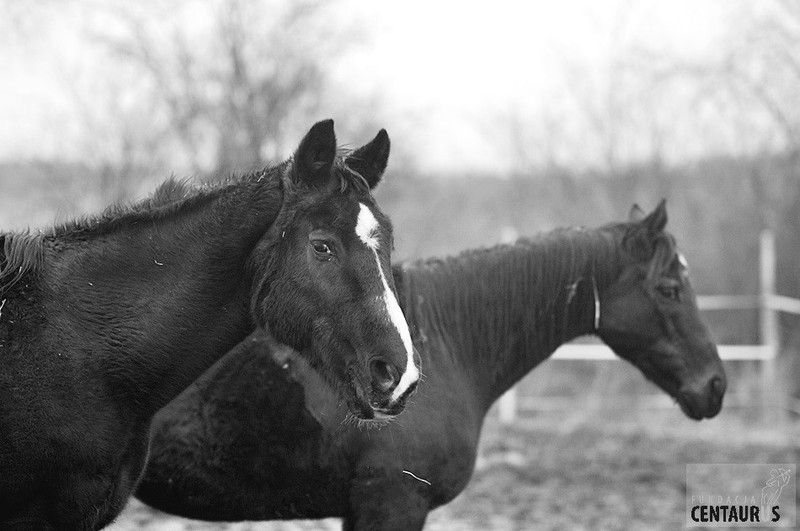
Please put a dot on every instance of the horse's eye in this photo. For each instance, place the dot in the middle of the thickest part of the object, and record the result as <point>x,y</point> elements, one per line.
<point>321,248</point>
<point>669,292</point>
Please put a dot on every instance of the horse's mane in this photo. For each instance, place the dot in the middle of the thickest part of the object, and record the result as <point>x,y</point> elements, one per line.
<point>23,252</point>
<point>551,276</point>
<point>665,252</point>
<point>348,176</point>
<point>479,295</point>
<point>174,189</point>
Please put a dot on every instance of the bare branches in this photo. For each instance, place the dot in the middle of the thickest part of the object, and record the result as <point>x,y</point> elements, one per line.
<point>228,76</point>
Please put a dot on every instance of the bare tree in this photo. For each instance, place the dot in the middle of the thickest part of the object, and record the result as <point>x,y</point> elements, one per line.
<point>234,93</point>
<point>756,79</point>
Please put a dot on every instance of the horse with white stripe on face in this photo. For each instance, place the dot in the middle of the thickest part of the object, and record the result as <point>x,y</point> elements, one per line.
<point>367,228</point>
<point>328,243</point>
<point>105,319</point>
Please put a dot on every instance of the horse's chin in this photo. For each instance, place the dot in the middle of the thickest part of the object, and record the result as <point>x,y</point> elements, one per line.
<point>366,424</point>
<point>358,402</point>
<point>361,408</point>
<point>688,408</point>
<point>693,406</point>
<point>356,394</point>
<point>698,407</point>
<point>382,416</point>
<point>363,411</point>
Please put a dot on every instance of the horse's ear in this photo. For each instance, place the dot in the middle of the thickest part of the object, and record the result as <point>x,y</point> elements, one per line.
<point>314,157</point>
<point>640,237</point>
<point>636,214</point>
<point>370,160</point>
<point>657,219</point>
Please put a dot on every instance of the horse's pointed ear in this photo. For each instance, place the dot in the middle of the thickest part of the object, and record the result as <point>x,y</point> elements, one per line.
<point>636,214</point>
<point>657,219</point>
<point>643,231</point>
<point>370,160</point>
<point>314,157</point>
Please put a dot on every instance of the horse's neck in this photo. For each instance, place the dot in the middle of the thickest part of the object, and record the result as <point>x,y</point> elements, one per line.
<point>161,300</point>
<point>505,310</point>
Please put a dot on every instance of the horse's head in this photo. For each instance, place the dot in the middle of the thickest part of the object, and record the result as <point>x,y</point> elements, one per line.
<point>324,278</point>
<point>649,317</point>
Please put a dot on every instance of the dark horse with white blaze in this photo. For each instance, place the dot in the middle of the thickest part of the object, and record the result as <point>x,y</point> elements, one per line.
<point>103,321</point>
<point>480,321</point>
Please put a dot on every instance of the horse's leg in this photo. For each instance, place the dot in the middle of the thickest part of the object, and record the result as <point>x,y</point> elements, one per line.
<point>35,514</point>
<point>384,503</point>
<point>410,522</point>
<point>90,502</point>
<point>128,476</point>
<point>27,524</point>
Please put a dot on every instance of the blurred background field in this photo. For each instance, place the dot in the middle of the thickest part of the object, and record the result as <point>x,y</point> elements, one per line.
<point>505,117</point>
<point>582,469</point>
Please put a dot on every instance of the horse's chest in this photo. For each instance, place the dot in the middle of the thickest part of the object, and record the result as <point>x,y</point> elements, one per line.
<point>432,453</point>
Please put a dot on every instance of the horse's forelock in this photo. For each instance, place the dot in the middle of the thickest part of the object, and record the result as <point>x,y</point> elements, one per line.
<point>664,255</point>
<point>342,175</point>
<point>347,175</point>
<point>662,247</point>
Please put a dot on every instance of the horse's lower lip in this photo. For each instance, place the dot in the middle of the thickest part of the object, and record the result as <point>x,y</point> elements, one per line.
<point>383,415</point>
<point>688,408</point>
<point>369,412</point>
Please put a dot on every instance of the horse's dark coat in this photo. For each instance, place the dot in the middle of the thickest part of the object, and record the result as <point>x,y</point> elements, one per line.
<point>104,320</point>
<point>480,321</point>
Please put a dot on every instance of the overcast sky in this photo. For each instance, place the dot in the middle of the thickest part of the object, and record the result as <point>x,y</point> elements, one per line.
<point>440,67</point>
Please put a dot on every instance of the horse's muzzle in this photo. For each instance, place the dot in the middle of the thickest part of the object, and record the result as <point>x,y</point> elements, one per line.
<point>706,402</point>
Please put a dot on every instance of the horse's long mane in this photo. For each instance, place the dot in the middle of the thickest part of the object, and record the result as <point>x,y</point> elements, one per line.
<point>173,196</point>
<point>22,252</point>
<point>484,296</point>
<point>523,294</point>
<point>665,253</point>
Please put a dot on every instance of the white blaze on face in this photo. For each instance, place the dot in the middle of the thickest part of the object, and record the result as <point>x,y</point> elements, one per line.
<point>684,265</point>
<point>367,229</point>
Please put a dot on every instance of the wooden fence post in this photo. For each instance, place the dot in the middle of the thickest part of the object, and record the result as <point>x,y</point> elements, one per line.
<point>768,326</point>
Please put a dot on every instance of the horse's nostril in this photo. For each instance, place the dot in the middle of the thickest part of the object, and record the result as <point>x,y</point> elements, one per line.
<point>384,376</point>
<point>717,385</point>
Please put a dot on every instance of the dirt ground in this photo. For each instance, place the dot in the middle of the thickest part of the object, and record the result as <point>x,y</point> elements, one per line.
<point>585,470</point>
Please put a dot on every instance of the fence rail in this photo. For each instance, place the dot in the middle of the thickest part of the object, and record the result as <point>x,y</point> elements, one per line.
<point>600,352</point>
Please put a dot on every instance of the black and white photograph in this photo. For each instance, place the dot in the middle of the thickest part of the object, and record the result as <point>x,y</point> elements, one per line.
<point>294,265</point>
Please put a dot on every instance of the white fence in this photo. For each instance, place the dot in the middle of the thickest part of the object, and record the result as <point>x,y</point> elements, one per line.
<point>767,302</point>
